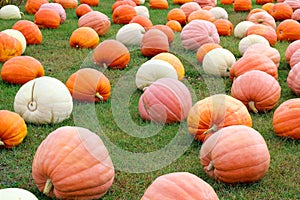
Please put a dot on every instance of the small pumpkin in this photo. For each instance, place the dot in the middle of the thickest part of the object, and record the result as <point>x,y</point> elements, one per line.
<point>47,18</point>
<point>143,21</point>
<point>32,6</point>
<point>123,14</point>
<point>154,42</point>
<point>10,12</point>
<point>130,34</point>
<point>290,50</point>
<point>281,11</point>
<point>265,31</point>
<point>224,27</point>
<point>58,8</point>
<point>204,49</point>
<point>17,193</point>
<point>84,37</point>
<point>293,80</point>
<point>174,25</point>
<point>30,30</point>
<point>95,20</point>
<point>241,28</point>
<point>67,3</point>
<point>9,47</point>
<point>90,2</point>
<point>288,30</point>
<point>242,5</point>
<point>159,4</point>
<point>13,129</point>
<point>250,40</point>
<point>18,35</point>
<point>82,9</point>
<point>178,15</point>
<point>189,7</point>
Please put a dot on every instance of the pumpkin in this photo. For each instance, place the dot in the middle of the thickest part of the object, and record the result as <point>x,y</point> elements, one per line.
<point>242,5</point>
<point>67,3</point>
<point>123,14</point>
<point>219,13</point>
<point>216,112</point>
<point>295,59</point>
<point>47,18</point>
<point>288,30</point>
<point>112,54</point>
<point>154,42</point>
<point>204,49</point>
<point>201,15</point>
<point>159,4</point>
<point>235,154</point>
<point>226,2</point>
<point>189,7</point>
<point>178,15</point>
<point>178,186</point>
<point>40,107</point>
<point>89,85</point>
<point>13,129</point>
<point>295,4</point>
<point>204,3</point>
<point>281,11</point>
<point>265,31</point>
<point>95,20</point>
<point>218,62</point>
<point>9,47</point>
<point>253,61</point>
<point>10,12</point>
<point>151,71</point>
<point>290,50</point>
<point>18,35</point>
<point>166,30</point>
<point>255,10</point>
<point>130,34</point>
<point>174,25</point>
<point>263,18</point>
<point>197,33</point>
<point>30,30</point>
<point>267,7</point>
<point>224,27</point>
<point>142,11</point>
<point>123,2</point>
<point>174,61</point>
<point>258,90</point>
<point>21,69</point>
<point>65,158</point>
<point>32,6</point>
<point>82,9</point>
<point>249,40</point>
<point>167,100</point>
<point>139,2</point>
<point>262,2</point>
<point>84,37</point>
<point>58,8</point>
<point>241,28</point>
<point>17,193</point>
<point>90,2</point>
<point>285,119</point>
<point>293,80</point>
<point>143,21</point>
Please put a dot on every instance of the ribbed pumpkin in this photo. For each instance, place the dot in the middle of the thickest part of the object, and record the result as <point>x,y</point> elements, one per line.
<point>159,4</point>
<point>95,20</point>
<point>154,42</point>
<point>253,11</point>
<point>58,8</point>
<point>201,15</point>
<point>224,27</point>
<point>143,21</point>
<point>293,81</point>
<point>90,2</point>
<point>281,11</point>
<point>30,30</point>
<point>263,18</point>
<point>123,14</point>
<point>253,62</point>
<point>18,35</point>
<point>178,15</point>
<point>166,30</point>
<point>265,31</point>
<point>131,34</point>
<point>47,18</point>
<point>262,2</point>
<point>123,2</point>
<point>32,6</point>
<point>290,50</point>
<point>112,54</point>
<point>179,186</point>
<point>84,37</point>
<point>197,33</point>
<point>296,15</point>
<point>67,3</point>
<point>206,3</point>
<point>142,11</point>
<point>235,154</point>
<point>82,9</point>
<point>241,28</point>
<point>68,156</point>
<point>295,58</point>
<point>288,30</point>
<point>174,25</point>
<point>9,47</point>
<point>89,85</point>
<point>13,129</point>
<point>250,40</point>
<point>167,100</point>
<point>242,5</point>
<point>295,4</point>
<point>204,49</point>
<point>286,119</point>
<point>21,69</point>
<point>189,7</point>
<point>216,112</point>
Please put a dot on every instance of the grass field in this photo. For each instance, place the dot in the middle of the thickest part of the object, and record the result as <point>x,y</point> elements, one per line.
<point>118,122</point>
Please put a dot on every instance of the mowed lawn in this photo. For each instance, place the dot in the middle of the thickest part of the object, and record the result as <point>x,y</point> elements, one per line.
<point>118,121</point>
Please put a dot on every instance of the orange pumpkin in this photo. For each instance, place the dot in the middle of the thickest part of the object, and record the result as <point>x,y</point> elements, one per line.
<point>82,9</point>
<point>30,30</point>
<point>204,49</point>
<point>95,20</point>
<point>286,119</point>
<point>84,37</point>
<point>112,54</point>
<point>216,112</point>
<point>253,11</point>
<point>154,42</point>
<point>166,30</point>
<point>123,2</point>
<point>68,156</point>
<point>178,15</point>
<point>290,50</point>
<point>47,18</point>
<point>90,2</point>
<point>226,2</point>
<point>67,3</point>
<point>159,4</point>
<point>262,2</point>
<point>201,15</point>
<point>32,6</point>
<point>123,14</point>
<point>267,7</point>
<point>293,81</point>
<point>265,31</point>
<point>288,30</point>
<point>224,27</point>
<point>21,69</point>
<point>13,129</point>
<point>182,1</point>
<point>281,11</point>
<point>174,25</point>
<point>89,85</point>
<point>143,21</point>
<point>242,5</point>
<point>9,47</point>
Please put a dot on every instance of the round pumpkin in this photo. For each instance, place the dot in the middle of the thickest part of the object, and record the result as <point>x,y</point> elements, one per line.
<point>206,3</point>
<point>216,112</point>
<point>167,100</point>
<point>123,14</point>
<point>296,15</point>
<point>89,85</point>
<point>281,11</point>
<point>288,30</point>
<point>166,30</point>
<point>267,6</point>
<point>17,193</point>
<point>174,25</point>
<point>189,7</point>
<point>201,15</point>
<point>13,129</point>
<point>241,28</point>
<point>159,4</point>
<point>18,35</point>
<point>242,5</point>
<point>90,2</point>
<point>32,6</point>
<point>95,20</point>
<point>290,50</point>
<point>143,21</point>
<point>154,42</point>
<point>30,30</point>
<point>178,15</point>
<point>178,186</point>
<point>250,40</point>
<point>130,34</point>
<point>235,154</point>
<point>67,3</point>
<point>286,119</point>
<point>84,37</point>
<point>295,59</point>
<point>263,18</point>
<point>9,47</point>
<point>204,49</point>
<point>265,31</point>
<point>123,2</point>
<point>219,13</point>
<point>72,163</point>
<point>293,81</point>
<point>21,69</point>
<point>142,11</point>
<point>82,9</point>
<point>224,27</point>
<point>112,54</point>
<point>47,18</point>
<point>58,8</point>
<point>253,11</point>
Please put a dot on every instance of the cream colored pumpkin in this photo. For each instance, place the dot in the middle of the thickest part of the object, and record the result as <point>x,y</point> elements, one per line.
<point>10,12</point>
<point>218,62</point>
<point>43,100</point>
<point>16,194</point>
<point>131,34</point>
<point>249,40</point>
<point>219,13</point>
<point>18,35</point>
<point>153,70</point>
<point>142,10</point>
<point>241,28</point>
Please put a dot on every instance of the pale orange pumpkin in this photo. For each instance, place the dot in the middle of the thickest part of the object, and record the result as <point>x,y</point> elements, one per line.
<point>84,37</point>
<point>154,42</point>
<point>265,31</point>
<point>293,80</point>
<point>201,15</point>
<point>290,50</point>
<point>95,20</point>
<point>189,7</point>
<point>263,18</point>
<point>166,30</point>
<point>123,2</point>
<point>224,27</point>
<point>67,3</point>
<point>143,21</point>
<point>9,47</point>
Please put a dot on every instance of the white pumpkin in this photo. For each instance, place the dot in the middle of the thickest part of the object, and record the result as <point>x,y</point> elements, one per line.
<point>43,100</point>
<point>16,194</point>
<point>153,70</point>
<point>142,10</point>
<point>249,40</point>
<point>18,35</point>
<point>218,62</point>
<point>10,12</point>
<point>241,28</point>
<point>130,34</point>
<point>219,13</point>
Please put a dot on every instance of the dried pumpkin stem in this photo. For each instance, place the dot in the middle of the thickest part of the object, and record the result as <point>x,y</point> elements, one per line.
<point>210,166</point>
<point>214,128</point>
<point>251,105</point>
<point>48,187</point>
<point>1,143</point>
<point>99,96</point>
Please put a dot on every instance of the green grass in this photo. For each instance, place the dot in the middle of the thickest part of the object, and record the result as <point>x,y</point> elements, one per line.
<point>125,130</point>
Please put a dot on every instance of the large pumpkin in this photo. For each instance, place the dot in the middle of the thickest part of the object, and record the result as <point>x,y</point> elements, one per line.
<point>90,2</point>
<point>67,3</point>
<point>242,5</point>
<point>95,20</point>
<point>58,8</point>
<point>154,42</point>
<point>241,28</point>
<point>145,22</point>
<point>293,80</point>
<point>47,18</point>
<point>122,2</point>
<point>30,30</point>
<point>159,4</point>
<point>263,18</point>
<point>295,58</point>
<point>13,129</point>
<point>112,54</point>
<point>290,50</point>
<point>72,163</point>
<point>32,6</point>
<point>18,35</point>
<point>178,15</point>
<point>286,119</point>
<point>167,100</point>
<point>84,37</point>
<point>131,34</point>
<point>288,30</point>
<point>215,112</point>
<point>89,85</point>
<point>9,47</point>
<point>21,69</point>
<point>189,7</point>
<point>179,186</point>
<point>123,14</point>
<point>281,11</point>
<point>201,15</point>
<point>224,27</point>
<point>235,154</point>
<point>166,30</point>
<point>265,31</point>
<point>250,40</point>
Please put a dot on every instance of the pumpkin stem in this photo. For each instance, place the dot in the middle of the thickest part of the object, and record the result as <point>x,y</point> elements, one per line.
<point>48,187</point>
<point>22,15</point>
<point>1,143</point>
<point>214,128</point>
<point>210,166</point>
<point>99,96</point>
<point>251,105</point>
<point>144,89</point>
